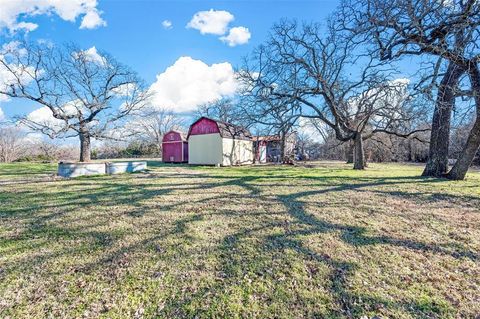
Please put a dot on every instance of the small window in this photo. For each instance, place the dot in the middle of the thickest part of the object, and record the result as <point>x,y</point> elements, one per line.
<point>171,137</point>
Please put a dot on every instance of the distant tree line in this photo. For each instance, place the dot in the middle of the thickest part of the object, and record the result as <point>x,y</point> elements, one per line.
<point>347,77</point>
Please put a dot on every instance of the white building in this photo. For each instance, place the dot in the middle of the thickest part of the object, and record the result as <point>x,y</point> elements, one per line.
<point>212,142</point>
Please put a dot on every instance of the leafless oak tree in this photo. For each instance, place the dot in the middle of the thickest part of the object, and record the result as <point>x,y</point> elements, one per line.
<point>270,117</point>
<point>153,122</point>
<point>12,141</point>
<point>447,29</point>
<point>310,68</point>
<point>87,94</point>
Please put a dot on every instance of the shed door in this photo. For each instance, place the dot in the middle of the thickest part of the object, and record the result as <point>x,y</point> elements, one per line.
<point>172,152</point>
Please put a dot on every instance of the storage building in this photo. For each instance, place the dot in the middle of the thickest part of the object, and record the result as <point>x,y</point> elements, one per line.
<point>268,148</point>
<point>174,147</point>
<point>212,142</point>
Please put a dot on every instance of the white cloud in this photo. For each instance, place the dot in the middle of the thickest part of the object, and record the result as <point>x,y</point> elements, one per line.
<point>91,55</point>
<point>33,138</point>
<point>167,24</point>
<point>189,83</point>
<point>43,116</point>
<point>237,36</point>
<point>211,22</point>
<point>13,47</point>
<point>5,80</point>
<point>2,115</point>
<point>6,77</point>
<point>309,128</point>
<point>126,89</point>
<point>68,10</point>
<point>92,20</point>
<point>26,26</point>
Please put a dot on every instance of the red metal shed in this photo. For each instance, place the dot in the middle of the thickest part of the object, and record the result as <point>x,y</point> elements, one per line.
<point>174,147</point>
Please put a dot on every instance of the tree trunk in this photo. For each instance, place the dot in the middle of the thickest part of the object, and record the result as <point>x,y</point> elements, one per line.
<point>437,164</point>
<point>84,147</point>
<point>359,157</point>
<point>470,149</point>
<point>349,152</point>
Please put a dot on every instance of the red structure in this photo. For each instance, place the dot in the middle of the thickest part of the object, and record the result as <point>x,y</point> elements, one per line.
<point>203,126</point>
<point>174,147</point>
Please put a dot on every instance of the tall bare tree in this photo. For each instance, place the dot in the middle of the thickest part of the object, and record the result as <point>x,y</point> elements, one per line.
<point>153,122</point>
<point>269,116</point>
<point>223,109</point>
<point>313,67</point>
<point>86,93</point>
<point>12,142</point>
<point>447,29</point>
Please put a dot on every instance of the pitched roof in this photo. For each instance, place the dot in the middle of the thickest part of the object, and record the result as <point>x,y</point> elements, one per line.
<point>274,138</point>
<point>267,138</point>
<point>183,136</point>
<point>228,130</point>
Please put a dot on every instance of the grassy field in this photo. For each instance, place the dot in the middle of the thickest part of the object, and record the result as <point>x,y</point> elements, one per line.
<point>265,242</point>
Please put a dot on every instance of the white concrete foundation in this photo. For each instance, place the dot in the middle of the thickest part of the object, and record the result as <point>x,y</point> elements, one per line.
<point>85,169</point>
<point>80,169</point>
<point>125,167</point>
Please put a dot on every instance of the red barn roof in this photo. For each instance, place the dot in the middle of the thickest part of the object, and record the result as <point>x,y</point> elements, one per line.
<point>205,125</point>
<point>174,136</point>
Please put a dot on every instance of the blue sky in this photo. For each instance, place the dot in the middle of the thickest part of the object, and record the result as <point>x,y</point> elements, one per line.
<point>133,33</point>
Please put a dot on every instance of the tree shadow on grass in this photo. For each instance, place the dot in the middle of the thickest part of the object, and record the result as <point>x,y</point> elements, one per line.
<point>133,195</point>
<point>350,304</point>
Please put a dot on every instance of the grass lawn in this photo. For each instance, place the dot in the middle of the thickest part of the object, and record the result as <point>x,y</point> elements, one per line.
<point>265,242</point>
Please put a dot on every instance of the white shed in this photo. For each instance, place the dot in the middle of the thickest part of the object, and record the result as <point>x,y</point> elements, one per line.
<point>212,142</point>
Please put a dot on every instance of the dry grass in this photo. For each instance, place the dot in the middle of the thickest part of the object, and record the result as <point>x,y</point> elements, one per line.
<point>324,242</point>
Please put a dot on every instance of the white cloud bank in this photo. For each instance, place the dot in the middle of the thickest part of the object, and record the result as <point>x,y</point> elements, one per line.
<point>237,36</point>
<point>68,10</point>
<point>92,55</point>
<point>43,116</point>
<point>189,83</point>
<point>217,22</point>
<point>92,20</point>
<point>6,77</point>
<point>211,22</point>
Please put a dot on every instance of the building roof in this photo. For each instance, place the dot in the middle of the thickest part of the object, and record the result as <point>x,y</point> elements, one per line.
<point>267,138</point>
<point>274,138</point>
<point>228,130</point>
<point>233,131</point>
<point>182,135</point>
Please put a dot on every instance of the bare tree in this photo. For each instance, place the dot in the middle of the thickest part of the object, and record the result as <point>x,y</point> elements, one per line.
<point>153,122</point>
<point>88,94</point>
<point>223,109</point>
<point>445,29</point>
<point>272,117</point>
<point>12,143</point>
<point>311,69</point>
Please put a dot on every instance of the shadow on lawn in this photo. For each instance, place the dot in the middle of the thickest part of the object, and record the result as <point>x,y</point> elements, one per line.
<point>122,192</point>
<point>349,304</point>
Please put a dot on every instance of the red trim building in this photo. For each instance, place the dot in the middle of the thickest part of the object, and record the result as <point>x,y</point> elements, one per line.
<point>174,147</point>
<point>269,148</point>
<point>213,142</point>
